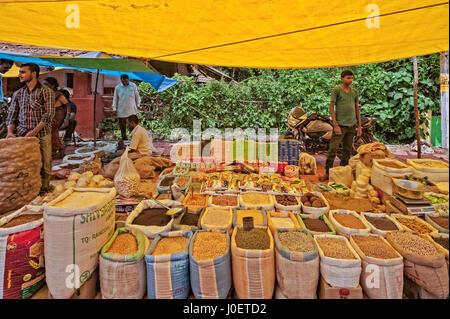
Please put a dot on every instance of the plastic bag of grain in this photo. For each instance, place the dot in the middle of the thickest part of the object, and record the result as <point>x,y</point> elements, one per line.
<point>210,264</point>
<point>382,266</point>
<point>381,223</point>
<point>77,224</point>
<point>347,222</point>
<point>424,264</point>
<point>151,231</point>
<point>127,179</point>
<point>282,220</point>
<point>167,262</point>
<point>253,268</point>
<point>22,270</point>
<point>122,265</point>
<point>297,264</point>
<point>342,175</point>
<point>340,265</point>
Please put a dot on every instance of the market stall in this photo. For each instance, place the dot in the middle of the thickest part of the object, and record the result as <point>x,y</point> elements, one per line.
<point>236,216</point>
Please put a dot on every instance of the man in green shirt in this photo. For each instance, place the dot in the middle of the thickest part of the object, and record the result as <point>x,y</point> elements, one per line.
<point>346,119</point>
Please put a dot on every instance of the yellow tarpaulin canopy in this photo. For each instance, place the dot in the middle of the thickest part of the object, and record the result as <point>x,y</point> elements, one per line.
<point>14,72</point>
<point>241,33</point>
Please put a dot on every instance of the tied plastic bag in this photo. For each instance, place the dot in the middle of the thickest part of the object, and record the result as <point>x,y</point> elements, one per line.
<point>127,178</point>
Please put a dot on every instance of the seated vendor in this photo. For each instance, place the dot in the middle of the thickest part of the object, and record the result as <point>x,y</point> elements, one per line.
<point>140,141</point>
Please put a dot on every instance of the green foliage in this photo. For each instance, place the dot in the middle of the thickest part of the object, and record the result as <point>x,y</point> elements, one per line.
<point>386,93</point>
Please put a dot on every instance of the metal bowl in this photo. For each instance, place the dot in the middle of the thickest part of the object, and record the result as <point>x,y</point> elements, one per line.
<point>408,189</point>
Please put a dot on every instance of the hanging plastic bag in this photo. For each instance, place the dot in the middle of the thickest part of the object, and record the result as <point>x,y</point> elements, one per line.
<point>127,178</point>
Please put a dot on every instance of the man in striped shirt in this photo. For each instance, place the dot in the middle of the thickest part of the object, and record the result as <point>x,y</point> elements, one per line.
<point>31,112</point>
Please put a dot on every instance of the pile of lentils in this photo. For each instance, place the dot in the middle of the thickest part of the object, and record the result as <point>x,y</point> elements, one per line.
<point>256,238</point>
<point>297,241</point>
<point>412,243</point>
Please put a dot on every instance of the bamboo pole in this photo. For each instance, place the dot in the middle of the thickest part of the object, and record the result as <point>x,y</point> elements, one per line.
<point>416,108</point>
<point>95,109</point>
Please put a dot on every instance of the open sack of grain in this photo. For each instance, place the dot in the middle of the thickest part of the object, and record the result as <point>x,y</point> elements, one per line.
<point>150,217</point>
<point>122,265</point>
<point>20,167</point>
<point>347,222</point>
<point>77,225</point>
<point>253,263</point>
<point>210,264</point>
<point>297,264</point>
<point>340,265</point>
<point>167,262</point>
<point>424,263</point>
<point>22,270</point>
<point>382,266</point>
<point>281,220</point>
<point>381,223</point>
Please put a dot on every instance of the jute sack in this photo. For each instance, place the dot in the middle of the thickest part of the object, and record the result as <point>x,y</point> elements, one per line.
<point>123,276</point>
<point>429,272</point>
<point>20,172</point>
<point>380,278</point>
<point>343,273</point>
<point>297,273</point>
<point>73,238</point>
<point>22,270</point>
<point>253,270</point>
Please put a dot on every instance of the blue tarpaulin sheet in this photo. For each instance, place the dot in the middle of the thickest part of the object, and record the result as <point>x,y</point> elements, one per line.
<point>135,70</point>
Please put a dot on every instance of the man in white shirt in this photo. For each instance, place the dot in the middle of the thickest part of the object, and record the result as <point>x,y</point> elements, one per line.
<point>126,102</point>
<point>141,142</point>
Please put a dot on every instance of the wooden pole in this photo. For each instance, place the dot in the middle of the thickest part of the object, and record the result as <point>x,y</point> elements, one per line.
<point>444,99</point>
<point>416,108</point>
<point>95,109</point>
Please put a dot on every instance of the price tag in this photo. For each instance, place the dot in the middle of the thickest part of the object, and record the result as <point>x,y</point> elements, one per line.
<point>248,223</point>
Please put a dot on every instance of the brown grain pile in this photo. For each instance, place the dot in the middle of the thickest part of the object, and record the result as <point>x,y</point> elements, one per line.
<point>209,245</point>
<point>124,244</point>
<point>335,248</point>
<point>415,225</point>
<point>412,243</point>
<point>170,245</point>
<point>22,219</point>
<point>375,247</point>
<point>350,221</point>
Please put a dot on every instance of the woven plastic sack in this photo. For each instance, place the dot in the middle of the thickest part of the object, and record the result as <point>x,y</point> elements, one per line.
<point>168,275</point>
<point>211,279</point>
<point>253,270</point>
<point>123,276</point>
<point>22,270</point>
<point>297,273</point>
<point>380,278</point>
